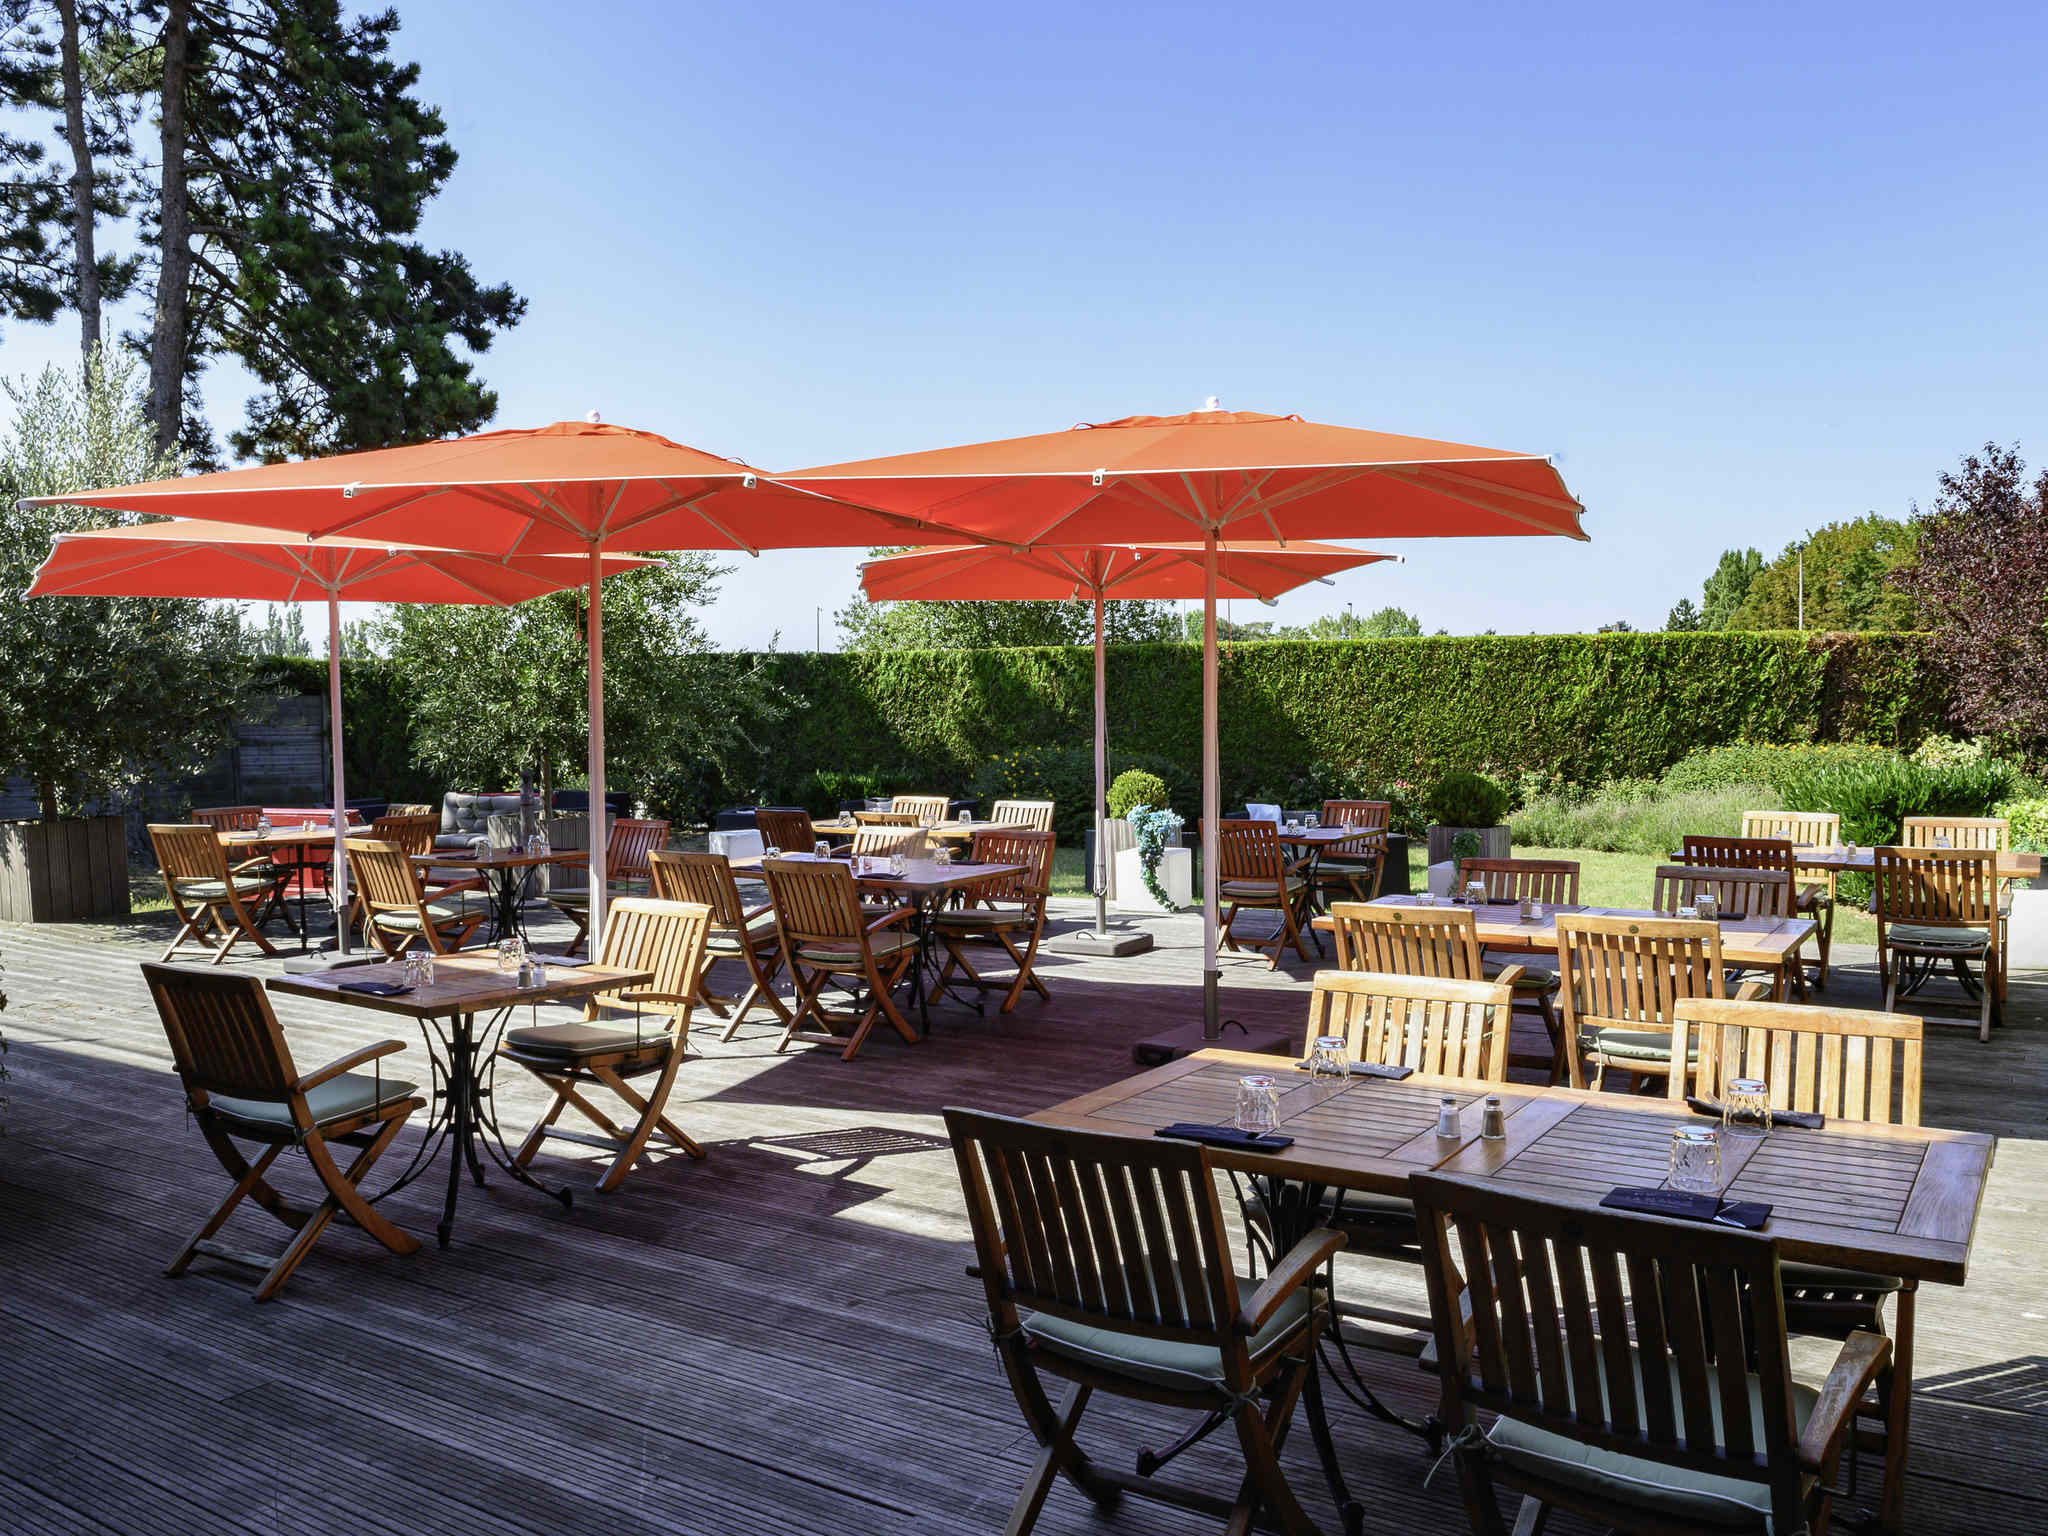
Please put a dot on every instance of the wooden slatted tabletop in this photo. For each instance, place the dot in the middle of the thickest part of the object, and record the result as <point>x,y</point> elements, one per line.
<point>1761,943</point>
<point>2012,864</point>
<point>1894,1199</point>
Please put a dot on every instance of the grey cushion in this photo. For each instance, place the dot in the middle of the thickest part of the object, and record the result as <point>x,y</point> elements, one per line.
<point>883,944</point>
<point>1534,978</point>
<point>983,919</point>
<point>443,913</point>
<point>1258,888</point>
<point>726,941</point>
<point>216,890</point>
<point>1163,1362</point>
<point>1677,1494</point>
<point>339,1098</point>
<point>471,814</point>
<point>572,1040</point>
<point>1962,941</point>
<point>1644,1045</point>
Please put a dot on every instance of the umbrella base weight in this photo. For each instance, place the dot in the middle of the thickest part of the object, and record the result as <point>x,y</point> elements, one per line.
<point>1115,943</point>
<point>1172,1044</point>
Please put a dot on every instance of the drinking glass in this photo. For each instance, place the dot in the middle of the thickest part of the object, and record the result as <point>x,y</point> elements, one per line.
<point>821,849</point>
<point>1689,914</point>
<point>1425,898</point>
<point>412,969</point>
<point>943,854</point>
<point>1709,906</point>
<point>510,953</point>
<point>896,865</point>
<point>1746,1108</point>
<point>1327,1059</point>
<point>1475,892</point>
<point>966,818</point>
<point>771,852</point>
<point>1312,820</point>
<point>1258,1104</point>
<point>263,826</point>
<point>1941,840</point>
<point>1696,1160</point>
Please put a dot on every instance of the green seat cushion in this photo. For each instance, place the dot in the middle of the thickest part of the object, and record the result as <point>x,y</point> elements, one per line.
<point>883,944</point>
<point>983,919</point>
<point>1676,1494</point>
<point>726,941</point>
<point>1534,978</point>
<point>1963,941</point>
<point>1255,889</point>
<point>1165,1363</point>
<point>339,1098</point>
<point>442,913</point>
<point>217,890</point>
<point>572,1040</point>
<point>1637,1045</point>
<point>1820,1278</point>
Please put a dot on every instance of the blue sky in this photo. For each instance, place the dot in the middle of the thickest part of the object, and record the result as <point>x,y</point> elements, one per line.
<point>1746,269</point>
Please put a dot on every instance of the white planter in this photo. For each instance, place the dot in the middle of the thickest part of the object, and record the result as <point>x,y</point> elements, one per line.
<point>1176,874</point>
<point>738,845</point>
<point>2027,934</point>
<point>1441,876</point>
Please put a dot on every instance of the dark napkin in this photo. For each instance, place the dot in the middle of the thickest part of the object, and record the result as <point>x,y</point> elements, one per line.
<point>568,962</point>
<point>375,988</point>
<point>1683,1205</point>
<point>1225,1136</point>
<point>1803,1119</point>
<point>1369,1069</point>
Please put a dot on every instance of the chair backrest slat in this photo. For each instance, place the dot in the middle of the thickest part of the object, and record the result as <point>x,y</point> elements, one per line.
<point>815,901</point>
<point>1992,832</point>
<point>413,834</point>
<point>1249,850</point>
<point>1035,814</point>
<point>924,807</point>
<point>705,878</point>
<point>188,852</point>
<point>1752,889</point>
<point>224,1037</point>
<point>1032,849</point>
<point>1407,941</point>
<point>1554,882</point>
<point>1837,1062</point>
<point>1444,1027</point>
<point>789,830</point>
<point>1943,887</point>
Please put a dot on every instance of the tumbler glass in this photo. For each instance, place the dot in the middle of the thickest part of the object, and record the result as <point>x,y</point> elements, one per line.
<point>1746,1108</point>
<point>1696,1160</point>
<point>1258,1104</point>
<point>1327,1059</point>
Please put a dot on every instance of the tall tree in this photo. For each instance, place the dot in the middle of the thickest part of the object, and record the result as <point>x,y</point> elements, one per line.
<point>296,163</point>
<point>1725,589</point>
<point>866,626</point>
<point>1683,618</point>
<point>33,282</point>
<point>1846,566</point>
<point>1980,577</point>
<point>1388,623</point>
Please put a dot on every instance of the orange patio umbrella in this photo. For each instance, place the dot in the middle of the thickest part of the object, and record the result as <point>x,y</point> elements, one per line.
<point>1106,574</point>
<point>576,487</point>
<point>233,561</point>
<point>1215,474</point>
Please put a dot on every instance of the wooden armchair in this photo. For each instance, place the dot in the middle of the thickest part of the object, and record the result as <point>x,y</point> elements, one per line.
<point>881,842</point>
<point>1813,899</point>
<point>1119,1308</point>
<point>1351,870</point>
<point>1253,872</point>
<point>1033,814</point>
<point>395,904</point>
<point>737,932</point>
<point>887,819</point>
<point>923,807</point>
<point>1935,905</point>
<point>203,891</point>
<point>241,1084</point>
<point>1435,1024</point>
<point>1010,905</point>
<point>1836,1062</point>
<point>1658,1398</point>
<point>791,831</point>
<point>254,859</point>
<point>625,866</point>
<point>1978,832</point>
<point>1554,883</point>
<point>229,818</point>
<point>1621,976</point>
<point>627,1033</point>
<point>413,808</point>
<point>825,934</point>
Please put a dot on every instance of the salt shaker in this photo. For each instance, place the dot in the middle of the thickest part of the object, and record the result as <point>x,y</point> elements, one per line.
<point>1493,1121</point>
<point>1447,1116</point>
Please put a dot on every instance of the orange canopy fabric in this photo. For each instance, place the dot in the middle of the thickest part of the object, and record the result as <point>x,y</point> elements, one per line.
<point>1113,573</point>
<point>560,489</point>
<point>1242,474</point>
<point>229,560</point>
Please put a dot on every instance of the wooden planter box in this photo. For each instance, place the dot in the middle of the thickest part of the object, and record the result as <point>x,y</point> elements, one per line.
<point>1493,842</point>
<point>69,871</point>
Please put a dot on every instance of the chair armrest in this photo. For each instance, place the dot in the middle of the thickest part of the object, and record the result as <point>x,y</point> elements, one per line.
<point>1508,975</point>
<point>440,888</point>
<point>1299,864</point>
<point>349,1063</point>
<point>748,917</point>
<point>259,862</point>
<point>892,919</point>
<point>1856,1367</point>
<point>1288,1276</point>
<point>1753,991</point>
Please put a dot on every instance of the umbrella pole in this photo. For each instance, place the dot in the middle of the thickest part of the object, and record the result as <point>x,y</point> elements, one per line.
<point>598,829</point>
<point>1101,779</point>
<point>1212,1024</point>
<point>337,872</point>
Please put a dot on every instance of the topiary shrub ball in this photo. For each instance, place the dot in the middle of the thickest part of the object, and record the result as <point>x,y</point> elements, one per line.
<point>1464,799</point>
<point>1135,787</point>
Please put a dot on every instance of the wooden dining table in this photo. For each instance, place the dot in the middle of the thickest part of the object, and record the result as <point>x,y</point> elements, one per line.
<point>2012,864</point>
<point>506,869</point>
<point>1752,943</point>
<point>298,841</point>
<point>1888,1199</point>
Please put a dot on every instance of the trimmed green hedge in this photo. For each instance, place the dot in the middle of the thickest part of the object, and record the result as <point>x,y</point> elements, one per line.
<point>1586,708</point>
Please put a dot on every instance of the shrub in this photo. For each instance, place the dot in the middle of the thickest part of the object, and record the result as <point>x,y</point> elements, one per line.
<point>1943,751</point>
<point>1465,799</point>
<point>1629,822</point>
<point>1761,763</point>
<point>2029,818</point>
<point>1065,776</point>
<point>827,788</point>
<point>1135,787</point>
<point>1875,796</point>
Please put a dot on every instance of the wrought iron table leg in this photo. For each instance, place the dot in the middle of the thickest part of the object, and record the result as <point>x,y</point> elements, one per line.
<point>1350,1509</point>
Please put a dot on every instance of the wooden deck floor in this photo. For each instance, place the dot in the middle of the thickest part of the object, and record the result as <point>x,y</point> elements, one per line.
<point>778,1339</point>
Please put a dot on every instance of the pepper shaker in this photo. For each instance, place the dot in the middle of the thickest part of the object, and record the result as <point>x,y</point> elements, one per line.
<point>1493,1121</point>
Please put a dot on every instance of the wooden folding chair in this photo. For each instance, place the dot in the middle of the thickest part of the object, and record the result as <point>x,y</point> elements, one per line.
<point>1351,870</point>
<point>1813,899</point>
<point>1979,832</point>
<point>395,904</point>
<point>1553,883</point>
<point>789,830</point>
<point>923,807</point>
<point>1836,1062</point>
<point>1435,1024</point>
<point>203,891</point>
<point>240,1084</point>
<point>1751,891</point>
<point>1253,873</point>
<point>1935,905</point>
<point>414,808</point>
<point>1106,1264</point>
<point>736,933</point>
<point>625,1033</point>
<point>625,867</point>
<point>1402,940</point>
<point>887,819</point>
<point>1621,976</point>
<point>226,819</point>
<point>1657,1398</point>
<point>1009,905</point>
<point>1034,814</point>
<point>825,934</point>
